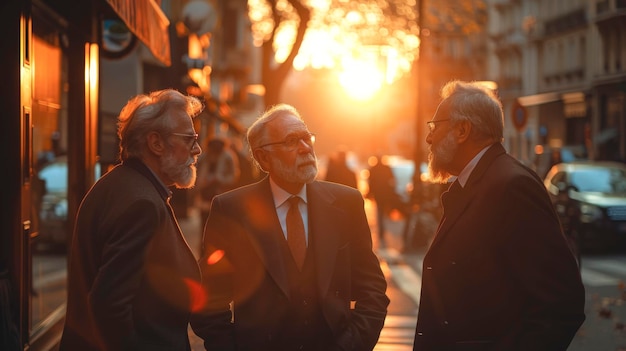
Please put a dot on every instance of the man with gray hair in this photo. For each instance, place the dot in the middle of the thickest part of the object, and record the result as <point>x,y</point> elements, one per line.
<point>131,273</point>
<point>288,261</point>
<point>499,274</point>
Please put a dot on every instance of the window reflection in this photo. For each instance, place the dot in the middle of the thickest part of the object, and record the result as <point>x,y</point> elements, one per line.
<point>49,181</point>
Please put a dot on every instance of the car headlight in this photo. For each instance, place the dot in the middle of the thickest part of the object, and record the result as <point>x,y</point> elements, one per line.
<point>589,213</point>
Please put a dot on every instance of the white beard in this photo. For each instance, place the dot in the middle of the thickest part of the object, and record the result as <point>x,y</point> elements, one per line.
<point>183,175</point>
<point>439,159</point>
<point>297,174</point>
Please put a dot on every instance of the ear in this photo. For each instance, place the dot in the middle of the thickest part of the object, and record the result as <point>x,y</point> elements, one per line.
<point>156,144</point>
<point>462,130</point>
<point>262,157</point>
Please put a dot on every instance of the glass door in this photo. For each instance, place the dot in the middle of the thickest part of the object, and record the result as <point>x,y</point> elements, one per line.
<point>49,181</point>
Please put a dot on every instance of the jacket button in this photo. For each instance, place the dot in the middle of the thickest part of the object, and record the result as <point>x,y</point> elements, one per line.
<point>429,267</point>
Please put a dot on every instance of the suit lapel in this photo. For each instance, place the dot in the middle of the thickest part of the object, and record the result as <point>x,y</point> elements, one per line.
<point>323,236</point>
<point>464,200</point>
<point>270,237</point>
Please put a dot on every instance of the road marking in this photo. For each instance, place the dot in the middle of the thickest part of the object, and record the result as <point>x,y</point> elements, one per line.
<point>408,281</point>
<point>594,278</point>
<point>402,274</point>
<point>609,266</point>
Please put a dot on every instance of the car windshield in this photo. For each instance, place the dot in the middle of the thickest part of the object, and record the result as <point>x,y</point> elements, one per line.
<point>603,180</point>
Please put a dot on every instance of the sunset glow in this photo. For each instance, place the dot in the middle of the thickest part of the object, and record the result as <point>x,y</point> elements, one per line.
<point>365,47</point>
<point>360,79</point>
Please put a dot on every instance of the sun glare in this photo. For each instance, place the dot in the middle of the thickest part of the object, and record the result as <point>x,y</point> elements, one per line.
<point>361,79</point>
<point>365,48</point>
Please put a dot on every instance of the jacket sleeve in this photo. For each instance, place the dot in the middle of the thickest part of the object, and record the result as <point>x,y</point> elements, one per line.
<point>545,268</point>
<point>368,286</point>
<point>121,273</point>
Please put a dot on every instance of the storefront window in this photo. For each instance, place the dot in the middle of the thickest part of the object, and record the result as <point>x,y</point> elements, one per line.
<point>49,181</point>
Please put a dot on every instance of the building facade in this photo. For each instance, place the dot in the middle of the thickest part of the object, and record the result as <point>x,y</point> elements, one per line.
<point>560,68</point>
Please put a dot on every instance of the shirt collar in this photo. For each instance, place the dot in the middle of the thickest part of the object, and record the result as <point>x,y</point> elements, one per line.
<point>281,195</point>
<point>467,171</point>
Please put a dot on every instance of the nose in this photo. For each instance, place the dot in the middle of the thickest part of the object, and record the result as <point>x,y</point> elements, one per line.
<point>196,149</point>
<point>429,137</point>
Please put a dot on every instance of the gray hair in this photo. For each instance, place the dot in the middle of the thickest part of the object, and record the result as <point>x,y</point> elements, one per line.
<point>145,113</point>
<point>478,104</point>
<point>257,132</point>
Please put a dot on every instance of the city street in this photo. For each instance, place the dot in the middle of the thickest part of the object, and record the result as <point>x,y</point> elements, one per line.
<point>603,276</point>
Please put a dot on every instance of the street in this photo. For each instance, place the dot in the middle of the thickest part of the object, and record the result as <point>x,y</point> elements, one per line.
<point>603,276</point>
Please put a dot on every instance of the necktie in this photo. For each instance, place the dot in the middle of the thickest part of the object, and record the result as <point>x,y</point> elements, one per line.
<point>296,238</point>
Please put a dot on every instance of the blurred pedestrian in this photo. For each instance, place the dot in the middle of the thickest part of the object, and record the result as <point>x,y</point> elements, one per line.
<point>218,171</point>
<point>130,269</point>
<point>499,274</point>
<point>338,170</point>
<point>382,188</point>
<point>288,261</point>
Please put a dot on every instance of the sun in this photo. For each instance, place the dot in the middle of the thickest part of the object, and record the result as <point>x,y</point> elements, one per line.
<point>361,79</point>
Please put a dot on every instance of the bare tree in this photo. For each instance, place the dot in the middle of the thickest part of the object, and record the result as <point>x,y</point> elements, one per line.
<point>380,22</point>
<point>273,73</point>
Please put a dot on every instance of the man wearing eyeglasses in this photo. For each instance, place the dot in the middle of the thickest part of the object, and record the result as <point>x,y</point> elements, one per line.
<point>288,261</point>
<point>131,273</point>
<point>498,274</point>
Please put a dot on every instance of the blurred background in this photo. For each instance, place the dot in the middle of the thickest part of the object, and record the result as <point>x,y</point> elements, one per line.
<point>364,74</point>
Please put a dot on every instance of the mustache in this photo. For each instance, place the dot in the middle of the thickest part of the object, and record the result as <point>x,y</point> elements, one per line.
<point>306,160</point>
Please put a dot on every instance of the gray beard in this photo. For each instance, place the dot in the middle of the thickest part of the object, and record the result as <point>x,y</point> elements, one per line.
<point>183,175</point>
<point>296,175</point>
<point>439,160</point>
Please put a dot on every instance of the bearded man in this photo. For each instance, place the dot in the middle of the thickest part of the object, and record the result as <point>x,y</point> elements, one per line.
<point>288,261</point>
<point>131,272</point>
<point>499,274</point>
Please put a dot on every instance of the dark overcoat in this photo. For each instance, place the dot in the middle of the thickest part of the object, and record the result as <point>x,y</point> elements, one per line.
<point>244,245</point>
<point>131,272</point>
<point>499,274</point>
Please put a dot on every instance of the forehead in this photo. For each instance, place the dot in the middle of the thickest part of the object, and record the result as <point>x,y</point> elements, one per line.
<point>180,118</point>
<point>286,124</point>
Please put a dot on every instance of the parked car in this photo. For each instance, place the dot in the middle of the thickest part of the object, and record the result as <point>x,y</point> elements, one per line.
<point>590,197</point>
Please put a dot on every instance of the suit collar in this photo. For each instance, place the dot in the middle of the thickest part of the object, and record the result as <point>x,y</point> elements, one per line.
<point>464,198</point>
<point>141,167</point>
<point>490,155</point>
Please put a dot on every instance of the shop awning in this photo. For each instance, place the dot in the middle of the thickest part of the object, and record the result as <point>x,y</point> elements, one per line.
<point>538,99</point>
<point>148,22</point>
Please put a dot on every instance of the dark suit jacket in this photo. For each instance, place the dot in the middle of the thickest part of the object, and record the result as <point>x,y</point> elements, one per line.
<point>130,269</point>
<point>243,226</point>
<point>499,274</point>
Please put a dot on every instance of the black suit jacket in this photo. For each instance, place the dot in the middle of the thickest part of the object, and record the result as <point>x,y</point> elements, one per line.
<point>499,274</point>
<point>130,268</point>
<point>244,228</point>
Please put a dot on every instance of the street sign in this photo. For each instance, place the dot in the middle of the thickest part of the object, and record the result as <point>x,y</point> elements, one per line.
<point>519,115</point>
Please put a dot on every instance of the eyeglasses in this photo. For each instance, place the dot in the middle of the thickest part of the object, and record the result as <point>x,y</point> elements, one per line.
<point>291,142</point>
<point>189,139</point>
<point>433,124</point>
